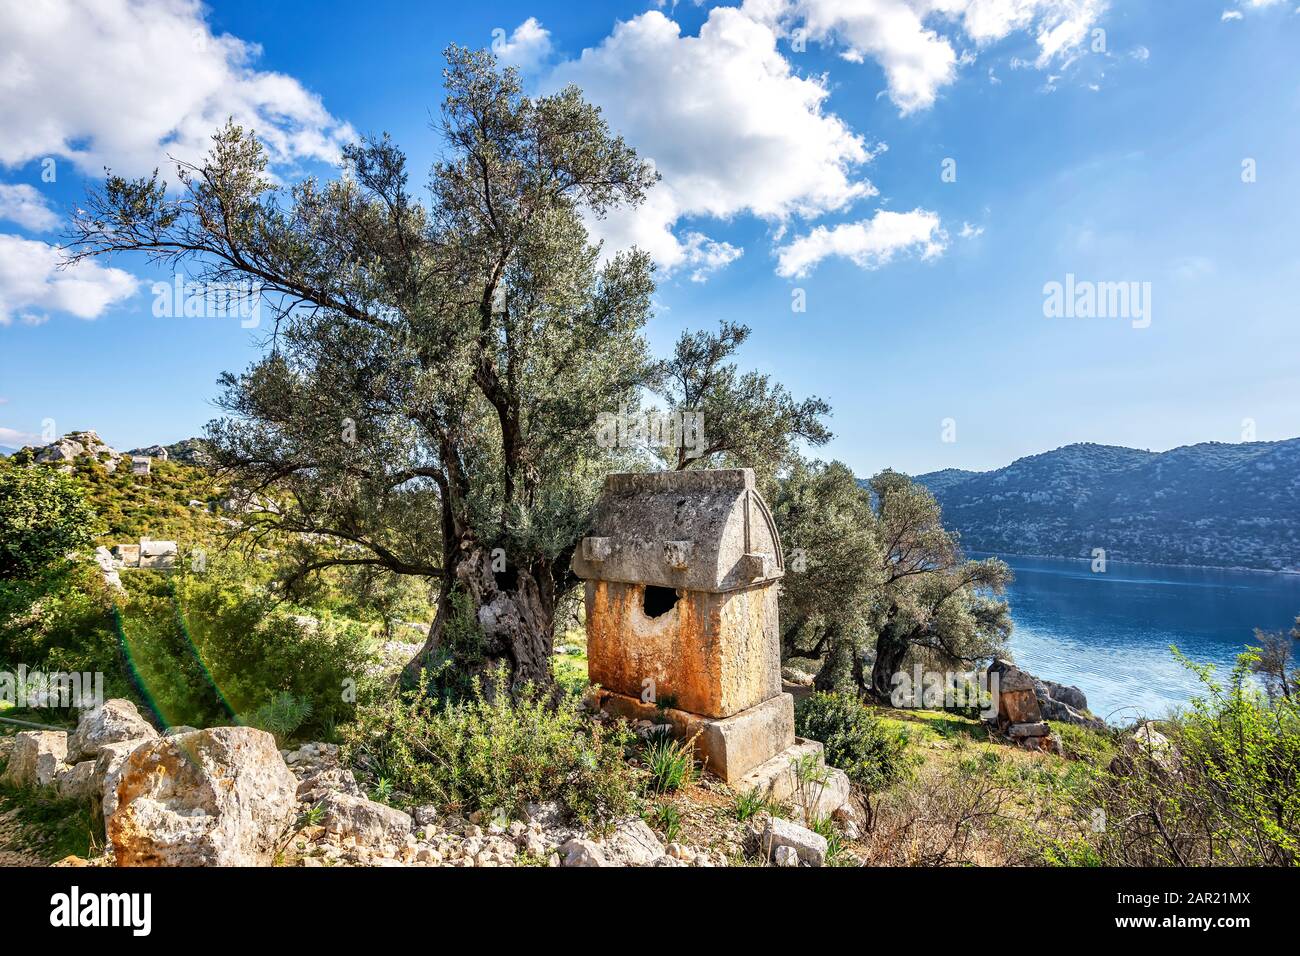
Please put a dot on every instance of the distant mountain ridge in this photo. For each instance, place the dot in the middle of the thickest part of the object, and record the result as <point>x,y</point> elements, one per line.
<point>1211,505</point>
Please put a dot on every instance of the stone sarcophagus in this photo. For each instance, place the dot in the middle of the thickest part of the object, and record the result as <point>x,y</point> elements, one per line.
<point>682,571</point>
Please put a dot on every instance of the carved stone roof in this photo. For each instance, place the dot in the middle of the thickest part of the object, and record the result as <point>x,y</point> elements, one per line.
<point>697,530</point>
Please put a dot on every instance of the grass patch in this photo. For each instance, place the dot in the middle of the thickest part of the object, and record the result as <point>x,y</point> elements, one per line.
<point>670,763</point>
<point>751,803</point>
<point>56,827</point>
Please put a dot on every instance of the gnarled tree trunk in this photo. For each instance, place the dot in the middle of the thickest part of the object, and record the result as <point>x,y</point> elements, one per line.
<point>891,656</point>
<point>513,612</point>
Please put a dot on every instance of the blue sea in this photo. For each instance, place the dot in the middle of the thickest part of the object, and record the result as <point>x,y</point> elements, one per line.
<point>1110,633</point>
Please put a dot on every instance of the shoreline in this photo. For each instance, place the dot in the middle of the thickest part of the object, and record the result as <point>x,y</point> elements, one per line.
<point>1293,572</point>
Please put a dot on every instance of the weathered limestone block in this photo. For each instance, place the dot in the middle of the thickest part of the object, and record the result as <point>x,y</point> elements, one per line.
<point>1016,695</point>
<point>729,747</point>
<point>811,847</point>
<point>128,554</point>
<point>776,779</point>
<point>785,856</point>
<point>735,745</point>
<point>158,555</point>
<point>370,824</point>
<point>579,852</point>
<point>631,844</point>
<point>37,758</point>
<point>1036,729</point>
<point>77,782</point>
<point>117,720</point>
<point>714,654</point>
<point>108,771</point>
<point>216,797</point>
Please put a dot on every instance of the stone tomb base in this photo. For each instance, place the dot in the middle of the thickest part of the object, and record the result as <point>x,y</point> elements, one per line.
<point>751,750</point>
<point>776,779</point>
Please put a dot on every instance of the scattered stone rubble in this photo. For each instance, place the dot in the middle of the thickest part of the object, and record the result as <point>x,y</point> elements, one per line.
<point>226,796</point>
<point>354,831</point>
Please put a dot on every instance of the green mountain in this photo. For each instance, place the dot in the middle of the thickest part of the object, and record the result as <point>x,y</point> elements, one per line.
<point>1212,504</point>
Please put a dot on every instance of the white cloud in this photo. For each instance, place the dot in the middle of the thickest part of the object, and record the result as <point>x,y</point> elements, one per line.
<point>913,40</point>
<point>707,255</point>
<point>527,48</point>
<point>31,283</point>
<point>869,243</point>
<point>1238,14</point>
<point>970,232</point>
<point>12,438</point>
<point>726,121</point>
<point>22,204</point>
<point>122,83</point>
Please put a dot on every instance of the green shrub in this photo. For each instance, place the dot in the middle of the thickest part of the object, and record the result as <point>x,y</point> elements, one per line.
<point>1223,789</point>
<point>205,646</point>
<point>869,751</point>
<point>493,752</point>
<point>1096,747</point>
<point>43,516</point>
<point>61,620</point>
<point>281,716</point>
<point>751,803</point>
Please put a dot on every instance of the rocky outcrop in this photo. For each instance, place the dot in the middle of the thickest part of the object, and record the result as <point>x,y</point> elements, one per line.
<point>1025,703</point>
<point>1146,746</point>
<point>1066,704</point>
<point>116,721</point>
<point>75,445</point>
<point>190,451</point>
<point>217,797</point>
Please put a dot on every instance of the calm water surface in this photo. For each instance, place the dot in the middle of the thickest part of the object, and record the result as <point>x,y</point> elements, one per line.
<point>1110,633</point>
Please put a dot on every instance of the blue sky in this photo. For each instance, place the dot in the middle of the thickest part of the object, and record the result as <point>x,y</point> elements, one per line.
<point>1115,156</point>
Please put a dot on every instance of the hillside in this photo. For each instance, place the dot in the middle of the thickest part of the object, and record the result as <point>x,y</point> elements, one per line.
<point>1211,505</point>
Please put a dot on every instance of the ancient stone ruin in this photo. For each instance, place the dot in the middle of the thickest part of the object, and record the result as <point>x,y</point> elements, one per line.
<point>1026,704</point>
<point>682,571</point>
<point>150,555</point>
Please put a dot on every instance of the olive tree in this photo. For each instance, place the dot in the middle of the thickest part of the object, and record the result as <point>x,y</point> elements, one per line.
<point>436,373</point>
<point>436,369</point>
